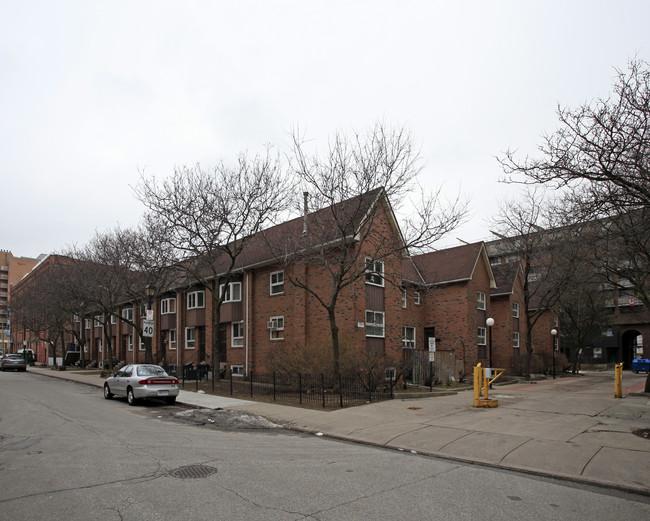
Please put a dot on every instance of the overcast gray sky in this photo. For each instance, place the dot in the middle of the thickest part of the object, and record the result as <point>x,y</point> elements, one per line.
<point>92,92</point>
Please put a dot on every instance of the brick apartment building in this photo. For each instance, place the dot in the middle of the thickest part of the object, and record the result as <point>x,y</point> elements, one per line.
<point>398,307</point>
<point>12,269</point>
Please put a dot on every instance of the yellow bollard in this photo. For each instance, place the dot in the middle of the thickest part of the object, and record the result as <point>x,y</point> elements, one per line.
<point>482,383</point>
<point>618,381</point>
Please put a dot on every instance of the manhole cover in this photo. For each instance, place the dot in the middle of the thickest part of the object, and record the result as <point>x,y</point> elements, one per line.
<point>193,472</point>
<point>642,433</point>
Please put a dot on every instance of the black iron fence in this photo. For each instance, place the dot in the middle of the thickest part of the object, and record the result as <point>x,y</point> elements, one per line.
<point>301,389</point>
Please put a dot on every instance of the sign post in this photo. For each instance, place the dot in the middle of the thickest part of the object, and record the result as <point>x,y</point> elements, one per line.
<point>432,357</point>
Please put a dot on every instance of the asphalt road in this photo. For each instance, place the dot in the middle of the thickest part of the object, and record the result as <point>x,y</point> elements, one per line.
<point>66,453</point>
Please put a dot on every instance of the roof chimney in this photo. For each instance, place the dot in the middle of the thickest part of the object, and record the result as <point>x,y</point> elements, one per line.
<point>305,211</point>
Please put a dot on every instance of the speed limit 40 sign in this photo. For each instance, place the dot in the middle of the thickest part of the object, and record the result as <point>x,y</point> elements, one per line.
<point>147,328</point>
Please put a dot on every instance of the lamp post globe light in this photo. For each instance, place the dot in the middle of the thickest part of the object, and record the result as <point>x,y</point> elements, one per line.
<point>489,323</point>
<point>553,335</point>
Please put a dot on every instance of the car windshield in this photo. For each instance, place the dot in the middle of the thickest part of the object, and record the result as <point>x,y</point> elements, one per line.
<point>151,370</point>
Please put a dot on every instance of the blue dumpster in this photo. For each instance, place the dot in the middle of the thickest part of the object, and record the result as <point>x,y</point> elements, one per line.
<point>641,365</point>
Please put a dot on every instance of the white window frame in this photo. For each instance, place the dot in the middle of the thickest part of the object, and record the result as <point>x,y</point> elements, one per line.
<point>97,322</point>
<point>276,287</point>
<point>168,306</point>
<point>417,299</point>
<point>86,323</point>
<point>480,300</point>
<point>77,318</point>
<point>408,343</point>
<point>390,373</point>
<point>237,370</point>
<point>482,336</point>
<point>374,272</point>
<point>374,328</point>
<point>196,299</point>
<point>129,343</point>
<point>230,291</point>
<point>404,298</point>
<point>515,309</point>
<point>190,343</point>
<point>515,340</point>
<point>141,346</point>
<point>277,330</point>
<point>101,344</point>
<point>238,340</point>
<point>171,339</point>
<point>113,320</point>
<point>127,314</point>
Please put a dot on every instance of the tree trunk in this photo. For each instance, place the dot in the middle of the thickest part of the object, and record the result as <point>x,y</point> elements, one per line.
<point>334,329</point>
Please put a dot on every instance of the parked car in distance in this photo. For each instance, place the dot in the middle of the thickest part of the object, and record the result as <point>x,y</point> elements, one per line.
<point>13,361</point>
<point>141,381</point>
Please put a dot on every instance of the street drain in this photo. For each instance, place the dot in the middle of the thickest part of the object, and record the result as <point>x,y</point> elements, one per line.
<point>193,472</point>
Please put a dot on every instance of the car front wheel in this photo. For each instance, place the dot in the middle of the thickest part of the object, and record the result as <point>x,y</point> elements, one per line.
<point>130,397</point>
<point>107,392</point>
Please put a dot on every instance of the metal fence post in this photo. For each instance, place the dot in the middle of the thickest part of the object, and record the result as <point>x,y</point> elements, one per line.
<point>300,387</point>
<point>341,389</point>
<point>274,384</point>
<point>251,384</point>
<point>322,387</point>
<point>231,380</point>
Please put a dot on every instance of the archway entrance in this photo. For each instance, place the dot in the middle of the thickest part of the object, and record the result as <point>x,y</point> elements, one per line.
<point>630,341</point>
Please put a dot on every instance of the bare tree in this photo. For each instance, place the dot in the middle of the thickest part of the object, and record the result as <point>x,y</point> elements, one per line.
<point>601,154</point>
<point>356,189</point>
<point>528,230</point>
<point>206,218</point>
<point>114,269</point>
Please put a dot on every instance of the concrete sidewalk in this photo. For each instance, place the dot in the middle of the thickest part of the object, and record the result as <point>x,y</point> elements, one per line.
<point>571,428</point>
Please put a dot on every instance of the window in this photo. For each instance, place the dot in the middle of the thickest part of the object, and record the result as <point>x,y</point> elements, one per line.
<point>403,298</point>
<point>515,309</point>
<point>480,300</point>
<point>77,318</point>
<point>127,314</point>
<point>375,323</point>
<point>416,298</point>
<point>141,346</point>
<point>129,342</point>
<point>87,323</point>
<point>481,336</point>
<point>390,373</point>
<point>196,299</point>
<point>408,337</point>
<point>190,338</point>
<point>277,282</point>
<point>237,370</point>
<point>515,340</point>
<point>167,306</point>
<point>374,272</point>
<point>100,345</point>
<point>232,292</point>
<point>171,336</point>
<point>97,322</point>
<point>113,319</point>
<point>276,325</point>
<point>237,337</point>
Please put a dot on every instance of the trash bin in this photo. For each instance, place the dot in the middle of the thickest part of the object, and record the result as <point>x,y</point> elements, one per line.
<point>641,365</point>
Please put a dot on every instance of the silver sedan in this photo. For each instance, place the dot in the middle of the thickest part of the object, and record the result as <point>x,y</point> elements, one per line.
<point>13,361</point>
<point>136,381</point>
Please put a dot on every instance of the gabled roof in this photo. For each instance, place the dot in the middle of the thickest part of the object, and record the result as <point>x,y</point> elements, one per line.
<point>325,227</point>
<point>453,265</point>
<point>505,276</point>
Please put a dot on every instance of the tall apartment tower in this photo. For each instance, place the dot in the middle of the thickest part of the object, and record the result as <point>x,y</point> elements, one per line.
<point>12,269</point>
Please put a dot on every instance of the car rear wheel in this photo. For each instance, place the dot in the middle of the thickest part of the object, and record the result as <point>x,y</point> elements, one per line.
<point>107,392</point>
<point>171,400</point>
<point>130,397</point>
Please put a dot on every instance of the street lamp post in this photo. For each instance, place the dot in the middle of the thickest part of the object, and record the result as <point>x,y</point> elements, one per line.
<point>553,335</point>
<point>150,291</point>
<point>489,323</point>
